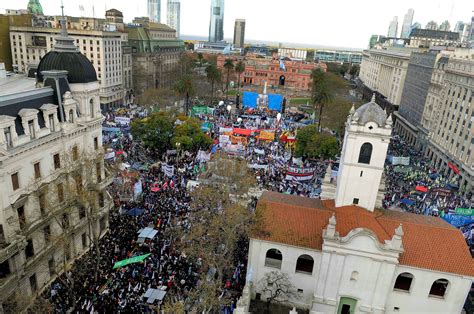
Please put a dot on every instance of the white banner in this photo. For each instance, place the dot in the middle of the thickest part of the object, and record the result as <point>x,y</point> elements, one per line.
<point>222,130</point>
<point>299,178</point>
<point>203,156</point>
<point>167,170</point>
<point>256,166</point>
<point>401,161</point>
<point>259,151</point>
<point>122,120</point>
<point>109,155</point>
<point>298,161</point>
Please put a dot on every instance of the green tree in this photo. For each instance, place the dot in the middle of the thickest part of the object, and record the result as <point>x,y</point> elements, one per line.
<point>343,70</point>
<point>154,131</point>
<point>354,71</point>
<point>213,76</point>
<point>313,144</point>
<point>229,66</point>
<point>239,68</point>
<point>321,94</point>
<point>185,87</point>
<point>190,136</point>
<point>200,58</point>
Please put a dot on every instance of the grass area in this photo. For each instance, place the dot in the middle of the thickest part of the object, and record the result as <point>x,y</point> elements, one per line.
<point>232,92</point>
<point>300,101</point>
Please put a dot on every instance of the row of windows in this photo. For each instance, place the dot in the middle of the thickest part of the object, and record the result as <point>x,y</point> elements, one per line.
<point>438,287</point>
<point>304,263</point>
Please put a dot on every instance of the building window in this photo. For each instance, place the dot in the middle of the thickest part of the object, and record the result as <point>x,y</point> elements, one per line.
<point>82,212</point>
<point>37,168</point>
<point>42,203</point>
<point>33,283</point>
<point>355,201</point>
<point>57,161</point>
<point>273,258</point>
<point>60,192</point>
<point>365,153</point>
<point>15,181</point>
<point>2,236</point>
<point>8,137</point>
<point>403,282</point>
<point>91,107</point>
<point>84,240</point>
<point>305,264</point>
<point>98,170</point>
<point>4,269</point>
<point>75,153</point>
<point>71,116</point>
<point>438,288</point>
<point>21,217</point>
<point>65,221</point>
<point>29,249</point>
<point>31,128</point>
<point>47,234</point>
<point>96,143</point>
<point>52,267</point>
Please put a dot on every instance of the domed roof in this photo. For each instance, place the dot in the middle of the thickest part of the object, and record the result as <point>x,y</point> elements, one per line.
<point>34,7</point>
<point>80,69</point>
<point>371,112</point>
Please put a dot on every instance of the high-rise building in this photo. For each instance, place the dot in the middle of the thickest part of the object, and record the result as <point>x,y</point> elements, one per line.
<point>239,33</point>
<point>393,28</point>
<point>459,26</point>
<point>407,21</point>
<point>431,25</point>
<point>174,15</point>
<point>216,24</point>
<point>154,10</point>
<point>445,26</point>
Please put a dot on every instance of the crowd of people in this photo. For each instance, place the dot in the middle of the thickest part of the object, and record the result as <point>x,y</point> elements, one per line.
<point>92,285</point>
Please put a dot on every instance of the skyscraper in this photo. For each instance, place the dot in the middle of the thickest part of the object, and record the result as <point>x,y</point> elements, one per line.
<point>432,25</point>
<point>154,10</point>
<point>216,25</point>
<point>445,26</point>
<point>393,28</point>
<point>174,15</point>
<point>239,33</point>
<point>407,21</point>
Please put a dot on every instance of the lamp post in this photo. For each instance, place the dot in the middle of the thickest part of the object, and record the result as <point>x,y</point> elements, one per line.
<point>178,153</point>
<point>229,108</point>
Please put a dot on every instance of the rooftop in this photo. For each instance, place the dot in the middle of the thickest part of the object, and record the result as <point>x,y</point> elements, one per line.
<point>428,242</point>
<point>16,84</point>
<point>435,34</point>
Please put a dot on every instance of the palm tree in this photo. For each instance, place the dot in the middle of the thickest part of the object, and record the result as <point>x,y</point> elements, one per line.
<point>228,65</point>
<point>185,87</point>
<point>320,92</point>
<point>239,68</point>
<point>213,75</point>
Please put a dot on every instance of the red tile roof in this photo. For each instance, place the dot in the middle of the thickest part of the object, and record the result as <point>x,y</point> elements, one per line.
<point>428,242</point>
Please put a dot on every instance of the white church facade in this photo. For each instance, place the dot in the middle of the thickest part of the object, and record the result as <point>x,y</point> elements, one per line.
<point>343,255</point>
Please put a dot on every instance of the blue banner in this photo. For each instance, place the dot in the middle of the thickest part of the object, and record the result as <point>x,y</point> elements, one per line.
<point>249,99</point>
<point>458,220</point>
<point>275,101</point>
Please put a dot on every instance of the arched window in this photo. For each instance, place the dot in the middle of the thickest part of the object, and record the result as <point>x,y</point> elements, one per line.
<point>354,275</point>
<point>365,153</point>
<point>71,116</point>
<point>305,264</point>
<point>273,258</point>
<point>403,282</point>
<point>439,287</point>
<point>91,107</point>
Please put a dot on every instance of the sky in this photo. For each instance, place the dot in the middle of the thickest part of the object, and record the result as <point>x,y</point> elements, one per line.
<point>340,23</point>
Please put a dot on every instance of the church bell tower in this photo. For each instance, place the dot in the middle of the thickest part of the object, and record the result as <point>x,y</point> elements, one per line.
<point>363,154</point>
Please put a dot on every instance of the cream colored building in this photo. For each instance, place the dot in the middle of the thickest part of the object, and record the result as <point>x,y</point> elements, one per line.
<point>102,48</point>
<point>451,138</point>
<point>52,175</point>
<point>384,71</point>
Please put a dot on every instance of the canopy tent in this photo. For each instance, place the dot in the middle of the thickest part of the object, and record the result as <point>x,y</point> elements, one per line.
<point>154,294</point>
<point>135,212</point>
<point>421,188</point>
<point>135,259</point>
<point>407,201</point>
<point>146,233</point>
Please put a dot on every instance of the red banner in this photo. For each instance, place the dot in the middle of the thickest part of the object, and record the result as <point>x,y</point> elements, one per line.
<point>421,188</point>
<point>453,168</point>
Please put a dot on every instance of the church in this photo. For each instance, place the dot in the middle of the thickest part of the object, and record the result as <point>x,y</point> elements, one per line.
<point>343,254</point>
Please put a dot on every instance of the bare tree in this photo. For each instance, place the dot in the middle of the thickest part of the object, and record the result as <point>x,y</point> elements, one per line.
<point>277,288</point>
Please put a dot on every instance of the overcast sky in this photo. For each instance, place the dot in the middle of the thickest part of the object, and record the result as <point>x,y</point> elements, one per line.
<point>344,23</point>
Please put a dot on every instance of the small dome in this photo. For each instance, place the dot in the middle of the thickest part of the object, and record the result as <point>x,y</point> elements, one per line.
<point>371,112</point>
<point>34,7</point>
<point>80,69</point>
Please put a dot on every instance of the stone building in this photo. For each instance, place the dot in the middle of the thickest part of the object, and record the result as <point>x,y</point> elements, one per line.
<point>426,38</point>
<point>53,208</point>
<point>156,52</point>
<point>344,255</point>
<point>99,40</point>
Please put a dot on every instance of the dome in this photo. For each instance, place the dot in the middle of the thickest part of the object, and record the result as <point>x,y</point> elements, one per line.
<point>34,7</point>
<point>80,69</point>
<point>371,112</point>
